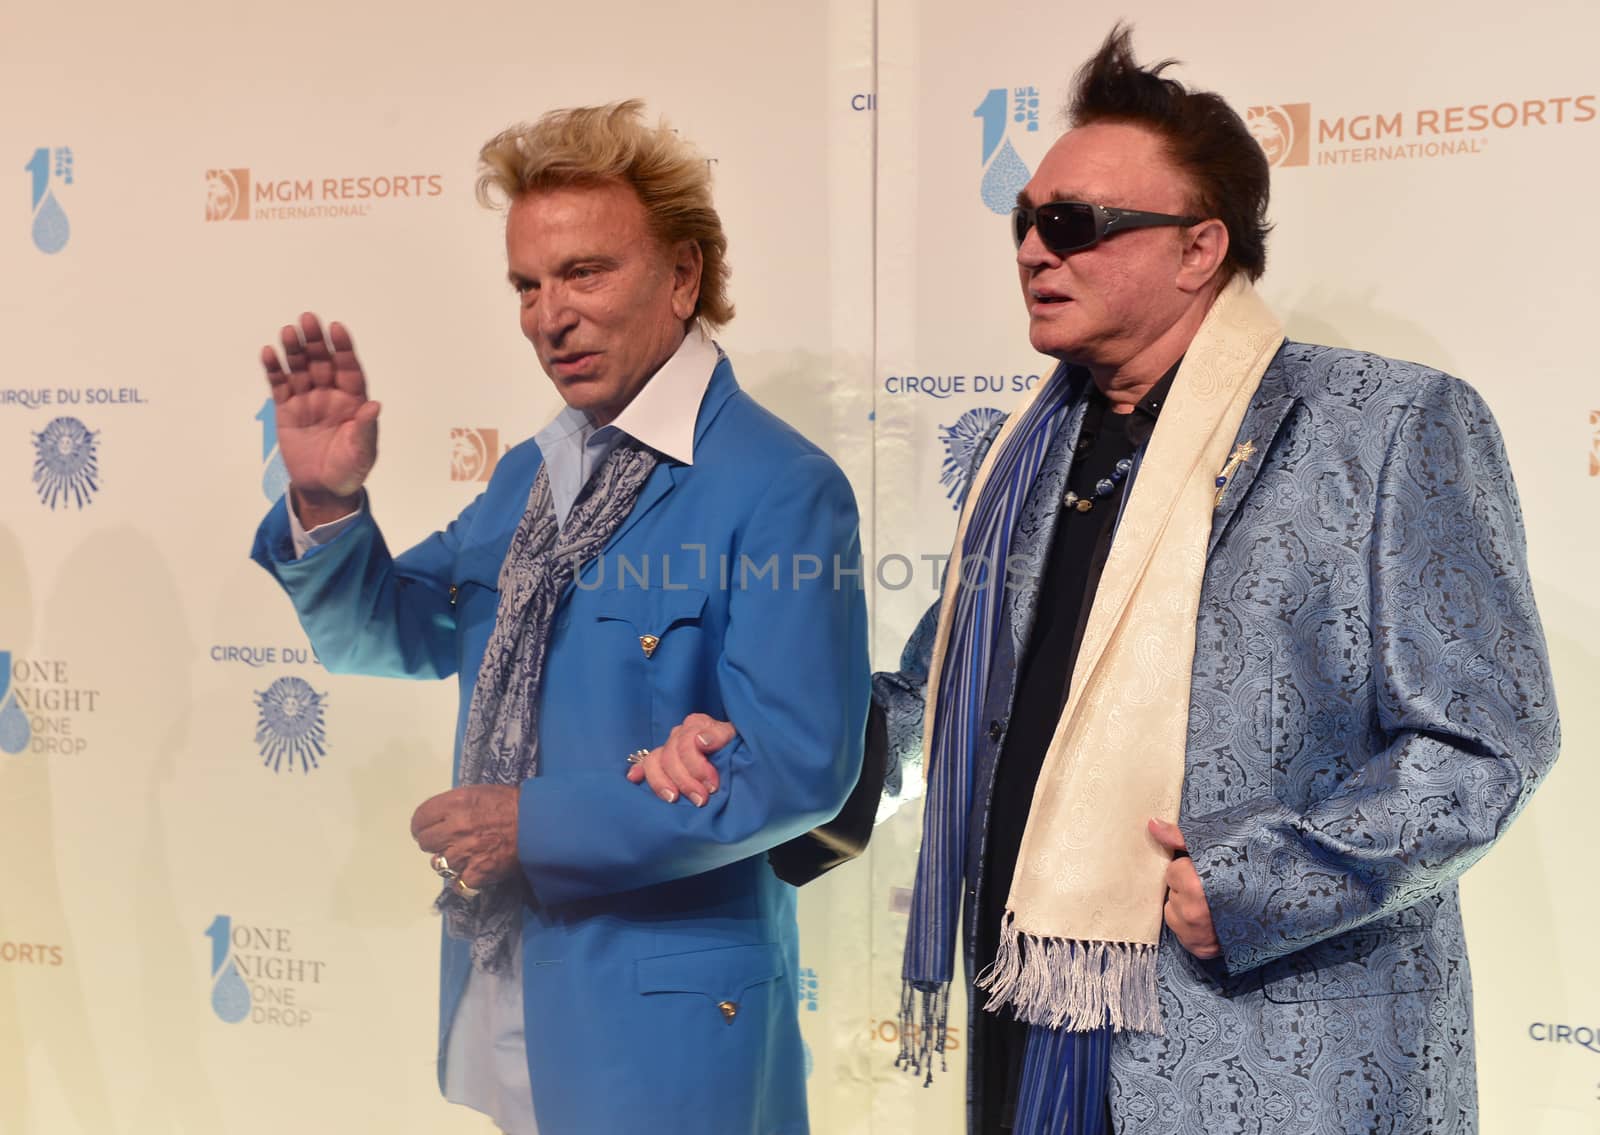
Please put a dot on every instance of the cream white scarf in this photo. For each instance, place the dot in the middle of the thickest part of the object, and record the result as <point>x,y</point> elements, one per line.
<point>1078,943</point>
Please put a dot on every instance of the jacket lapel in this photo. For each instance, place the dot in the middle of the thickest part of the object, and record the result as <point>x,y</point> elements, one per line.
<point>1273,400</point>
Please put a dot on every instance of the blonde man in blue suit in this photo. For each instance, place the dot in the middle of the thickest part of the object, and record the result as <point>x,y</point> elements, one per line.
<point>665,571</point>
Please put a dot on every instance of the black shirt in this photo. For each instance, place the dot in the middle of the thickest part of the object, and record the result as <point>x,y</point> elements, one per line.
<point>1078,552</point>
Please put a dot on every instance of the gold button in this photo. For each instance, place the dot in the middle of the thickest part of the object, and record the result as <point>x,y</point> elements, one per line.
<point>729,1009</point>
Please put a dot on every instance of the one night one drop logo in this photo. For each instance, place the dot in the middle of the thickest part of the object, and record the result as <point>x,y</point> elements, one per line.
<point>1004,173</point>
<point>274,477</point>
<point>290,725</point>
<point>51,230</point>
<point>230,996</point>
<point>15,731</point>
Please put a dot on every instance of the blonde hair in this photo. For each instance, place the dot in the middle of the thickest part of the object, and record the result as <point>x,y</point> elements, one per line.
<point>594,145</point>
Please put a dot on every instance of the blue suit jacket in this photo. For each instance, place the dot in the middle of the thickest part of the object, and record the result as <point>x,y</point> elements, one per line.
<point>1370,706</point>
<point>646,916</point>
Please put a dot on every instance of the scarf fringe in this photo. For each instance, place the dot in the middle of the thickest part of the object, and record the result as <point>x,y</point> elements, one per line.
<point>924,1018</point>
<point>1064,983</point>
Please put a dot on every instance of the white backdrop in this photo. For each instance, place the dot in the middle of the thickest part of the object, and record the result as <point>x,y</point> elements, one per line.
<point>194,940</point>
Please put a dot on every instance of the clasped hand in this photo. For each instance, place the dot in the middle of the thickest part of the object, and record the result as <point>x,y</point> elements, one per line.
<point>679,766</point>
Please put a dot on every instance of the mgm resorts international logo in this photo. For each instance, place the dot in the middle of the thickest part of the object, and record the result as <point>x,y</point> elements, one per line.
<point>474,453</point>
<point>1291,135</point>
<point>66,463</point>
<point>961,446</point>
<point>241,194</point>
<point>41,710</point>
<point>291,725</point>
<point>259,975</point>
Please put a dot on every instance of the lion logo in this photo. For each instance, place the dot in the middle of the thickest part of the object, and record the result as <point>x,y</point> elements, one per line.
<point>1283,132</point>
<point>227,195</point>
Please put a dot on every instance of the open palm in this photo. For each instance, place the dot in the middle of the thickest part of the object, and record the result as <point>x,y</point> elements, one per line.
<point>327,426</point>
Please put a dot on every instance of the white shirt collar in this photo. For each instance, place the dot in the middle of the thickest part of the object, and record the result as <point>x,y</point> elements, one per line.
<point>663,414</point>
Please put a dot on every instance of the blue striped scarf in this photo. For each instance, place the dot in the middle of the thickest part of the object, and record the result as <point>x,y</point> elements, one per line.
<point>975,628</point>
<point>1064,1074</point>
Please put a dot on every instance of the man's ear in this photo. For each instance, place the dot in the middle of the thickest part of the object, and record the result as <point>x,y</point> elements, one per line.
<point>687,264</point>
<point>1205,247</point>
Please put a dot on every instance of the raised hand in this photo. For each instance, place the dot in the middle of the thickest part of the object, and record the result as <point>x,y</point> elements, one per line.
<point>327,426</point>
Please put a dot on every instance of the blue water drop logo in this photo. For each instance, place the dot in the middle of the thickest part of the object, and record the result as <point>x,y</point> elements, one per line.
<point>274,477</point>
<point>15,732</point>
<point>51,229</point>
<point>230,996</point>
<point>1004,179</point>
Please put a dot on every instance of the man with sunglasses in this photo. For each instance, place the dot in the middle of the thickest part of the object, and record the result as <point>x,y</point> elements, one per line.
<point>1260,676</point>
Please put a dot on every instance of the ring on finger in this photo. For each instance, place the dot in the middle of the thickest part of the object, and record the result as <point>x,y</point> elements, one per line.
<point>442,866</point>
<point>637,756</point>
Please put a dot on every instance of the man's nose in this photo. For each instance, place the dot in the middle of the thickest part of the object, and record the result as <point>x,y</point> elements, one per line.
<point>554,315</point>
<point>1032,253</point>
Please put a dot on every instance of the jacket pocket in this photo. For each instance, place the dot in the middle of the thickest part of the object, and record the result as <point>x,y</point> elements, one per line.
<point>652,611</point>
<point>656,637</point>
<point>1360,963</point>
<point>722,976</point>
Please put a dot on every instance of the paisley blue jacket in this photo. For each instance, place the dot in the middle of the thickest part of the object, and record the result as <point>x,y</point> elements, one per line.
<point>1371,706</point>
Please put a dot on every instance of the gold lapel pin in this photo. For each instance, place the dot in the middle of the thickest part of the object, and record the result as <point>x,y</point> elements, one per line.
<point>648,644</point>
<point>1242,452</point>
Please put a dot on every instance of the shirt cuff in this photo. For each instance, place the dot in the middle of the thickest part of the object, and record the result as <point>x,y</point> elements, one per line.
<point>305,541</point>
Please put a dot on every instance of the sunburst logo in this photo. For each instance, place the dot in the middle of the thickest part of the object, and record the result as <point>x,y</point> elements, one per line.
<point>1282,131</point>
<point>960,446</point>
<point>66,465</point>
<point>290,725</point>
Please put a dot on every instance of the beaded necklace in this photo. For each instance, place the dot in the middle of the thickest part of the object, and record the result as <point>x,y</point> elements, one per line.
<point>1103,488</point>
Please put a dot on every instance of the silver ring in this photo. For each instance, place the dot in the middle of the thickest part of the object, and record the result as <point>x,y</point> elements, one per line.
<point>442,865</point>
<point>465,891</point>
<point>637,756</point>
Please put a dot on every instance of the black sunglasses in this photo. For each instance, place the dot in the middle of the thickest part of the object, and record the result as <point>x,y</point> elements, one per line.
<point>1069,226</point>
